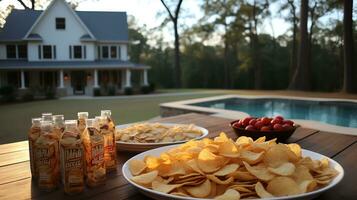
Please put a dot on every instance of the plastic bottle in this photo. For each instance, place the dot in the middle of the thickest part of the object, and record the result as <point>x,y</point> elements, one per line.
<point>47,157</point>
<point>93,143</point>
<point>58,124</point>
<point>33,134</point>
<point>72,158</point>
<point>82,117</point>
<point>46,116</point>
<point>107,129</point>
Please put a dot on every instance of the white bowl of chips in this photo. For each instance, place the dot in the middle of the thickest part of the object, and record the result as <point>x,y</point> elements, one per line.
<point>228,193</point>
<point>140,137</point>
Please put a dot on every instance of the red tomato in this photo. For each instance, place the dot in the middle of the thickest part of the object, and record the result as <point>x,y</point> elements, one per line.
<point>265,120</point>
<point>276,121</point>
<point>287,126</point>
<point>279,117</point>
<point>291,123</point>
<point>250,128</point>
<point>265,128</point>
<point>278,127</point>
<point>258,125</point>
<point>237,124</point>
<point>246,120</point>
<point>252,122</point>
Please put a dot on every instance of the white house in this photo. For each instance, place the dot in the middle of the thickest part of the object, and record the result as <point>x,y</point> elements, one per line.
<point>73,51</point>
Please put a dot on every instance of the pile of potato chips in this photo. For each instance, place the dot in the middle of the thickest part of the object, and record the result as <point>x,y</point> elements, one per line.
<point>224,169</point>
<point>156,132</point>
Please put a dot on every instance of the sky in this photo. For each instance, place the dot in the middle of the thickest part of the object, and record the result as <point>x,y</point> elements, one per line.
<point>145,13</point>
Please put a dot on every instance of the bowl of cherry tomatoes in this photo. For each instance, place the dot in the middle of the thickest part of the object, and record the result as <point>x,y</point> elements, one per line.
<point>271,128</point>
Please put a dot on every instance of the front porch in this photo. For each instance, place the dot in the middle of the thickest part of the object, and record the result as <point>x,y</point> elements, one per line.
<point>76,80</point>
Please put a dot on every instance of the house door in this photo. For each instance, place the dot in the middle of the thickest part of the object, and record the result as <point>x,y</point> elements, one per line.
<point>78,82</point>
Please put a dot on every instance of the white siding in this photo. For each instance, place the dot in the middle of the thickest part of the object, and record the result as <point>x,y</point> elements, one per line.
<point>61,38</point>
<point>124,52</point>
<point>2,51</point>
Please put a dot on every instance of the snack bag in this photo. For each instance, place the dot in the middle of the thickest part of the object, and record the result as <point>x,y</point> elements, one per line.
<point>93,143</point>
<point>110,156</point>
<point>58,125</point>
<point>47,157</point>
<point>81,123</point>
<point>46,117</point>
<point>33,134</point>
<point>72,158</point>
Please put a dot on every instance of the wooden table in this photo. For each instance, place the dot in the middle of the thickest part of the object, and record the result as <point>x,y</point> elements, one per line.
<point>16,182</point>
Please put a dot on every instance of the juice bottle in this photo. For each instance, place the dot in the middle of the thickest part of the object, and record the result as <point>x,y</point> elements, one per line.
<point>47,157</point>
<point>58,124</point>
<point>93,143</point>
<point>33,135</point>
<point>107,129</point>
<point>72,158</point>
<point>46,116</point>
<point>82,117</point>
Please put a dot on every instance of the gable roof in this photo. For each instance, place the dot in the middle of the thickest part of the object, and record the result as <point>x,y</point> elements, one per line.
<point>105,26</point>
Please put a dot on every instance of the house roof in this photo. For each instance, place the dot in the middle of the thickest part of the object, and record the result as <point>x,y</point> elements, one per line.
<point>49,65</point>
<point>105,26</point>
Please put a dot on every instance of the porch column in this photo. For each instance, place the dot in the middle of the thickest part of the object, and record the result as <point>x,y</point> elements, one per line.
<point>22,80</point>
<point>127,78</point>
<point>61,83</point>
<point>96,78</point>
<point>145,77</point>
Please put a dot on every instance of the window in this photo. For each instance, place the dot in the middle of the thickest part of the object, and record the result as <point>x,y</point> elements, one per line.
<point>60,23</point>
<point>77,52</point>
<point>11,51</point>
<point>16,51</point>
<point>105,52</point>
<point>47,51</point>
<point>109,52</point>
<point>113,52</point>
<point>22,51</point>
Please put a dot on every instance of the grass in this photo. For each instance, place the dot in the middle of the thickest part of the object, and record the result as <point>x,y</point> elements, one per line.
<point>15,119</point>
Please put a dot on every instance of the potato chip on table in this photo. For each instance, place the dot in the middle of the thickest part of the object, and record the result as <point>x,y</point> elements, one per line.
<point>221,168</point>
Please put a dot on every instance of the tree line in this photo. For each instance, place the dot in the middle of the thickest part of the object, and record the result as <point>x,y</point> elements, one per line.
<point>311,56</point>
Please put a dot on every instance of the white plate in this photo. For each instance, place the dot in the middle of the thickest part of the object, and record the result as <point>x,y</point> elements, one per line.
<point>141,147</point>
<point>163,196</point>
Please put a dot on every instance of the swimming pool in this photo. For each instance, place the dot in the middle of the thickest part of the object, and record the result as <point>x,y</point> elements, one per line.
<point>332,112</point>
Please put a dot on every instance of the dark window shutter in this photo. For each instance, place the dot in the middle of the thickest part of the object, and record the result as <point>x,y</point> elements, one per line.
<point>54,51</point>
<point>39,51</point>
<point>119,53</point>
<point>70,52</point>
<point>84,51</point>
<point>98,52</point>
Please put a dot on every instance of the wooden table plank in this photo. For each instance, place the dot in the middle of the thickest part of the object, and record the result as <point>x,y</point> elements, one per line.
<point>15,172</point>
<point>12,147</point>
<point>14,157</point>
<point>328,144</point>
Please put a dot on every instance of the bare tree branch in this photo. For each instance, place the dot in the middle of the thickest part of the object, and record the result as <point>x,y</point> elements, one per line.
<point>23,4</point>
<point>168,10</point>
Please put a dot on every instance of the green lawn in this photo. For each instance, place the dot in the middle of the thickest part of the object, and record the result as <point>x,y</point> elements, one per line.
<point>15,119</point>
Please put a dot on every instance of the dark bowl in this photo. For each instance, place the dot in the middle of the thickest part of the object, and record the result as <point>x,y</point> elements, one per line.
<point>281,136</point>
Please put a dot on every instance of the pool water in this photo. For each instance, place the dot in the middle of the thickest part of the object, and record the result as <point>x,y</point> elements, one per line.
<point>331,112</point>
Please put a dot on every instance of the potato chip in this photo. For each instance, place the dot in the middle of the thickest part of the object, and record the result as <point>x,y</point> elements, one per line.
<point>307,186</point>
<point>228,149</point>
<point>251,157</point>
<point>200,191</point>
<point>261,192</point>
<point>279,154</point>
<point>229,195</point>
<point>136,167</point>
<point>163,187</point>
<point>283,186</point>
<point>228,169</point>
<point>242,176</point>
<point>285,169</point>
<point>209,162</point>
<point>240,188</point>
<point>219,181</point>
<point>193,165</point>
<point>145,178</point>
<point>180,194</point>
<point>213,189</point>
<point>243,140</point>
<point>295,148</point>
<point>259,171</point>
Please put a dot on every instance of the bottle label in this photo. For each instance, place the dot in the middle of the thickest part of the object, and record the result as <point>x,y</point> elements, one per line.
<point>97,154</point>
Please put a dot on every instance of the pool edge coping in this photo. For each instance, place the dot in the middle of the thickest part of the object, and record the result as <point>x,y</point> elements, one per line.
<point>229,114</point>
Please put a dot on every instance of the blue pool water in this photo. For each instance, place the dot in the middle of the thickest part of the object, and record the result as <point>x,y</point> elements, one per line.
<point>331,112</point>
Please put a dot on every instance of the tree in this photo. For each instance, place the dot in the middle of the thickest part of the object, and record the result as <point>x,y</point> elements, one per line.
<point>174,18</point>
<point>26,6</point>
<point>347,46</point>
<point>301,78</point>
